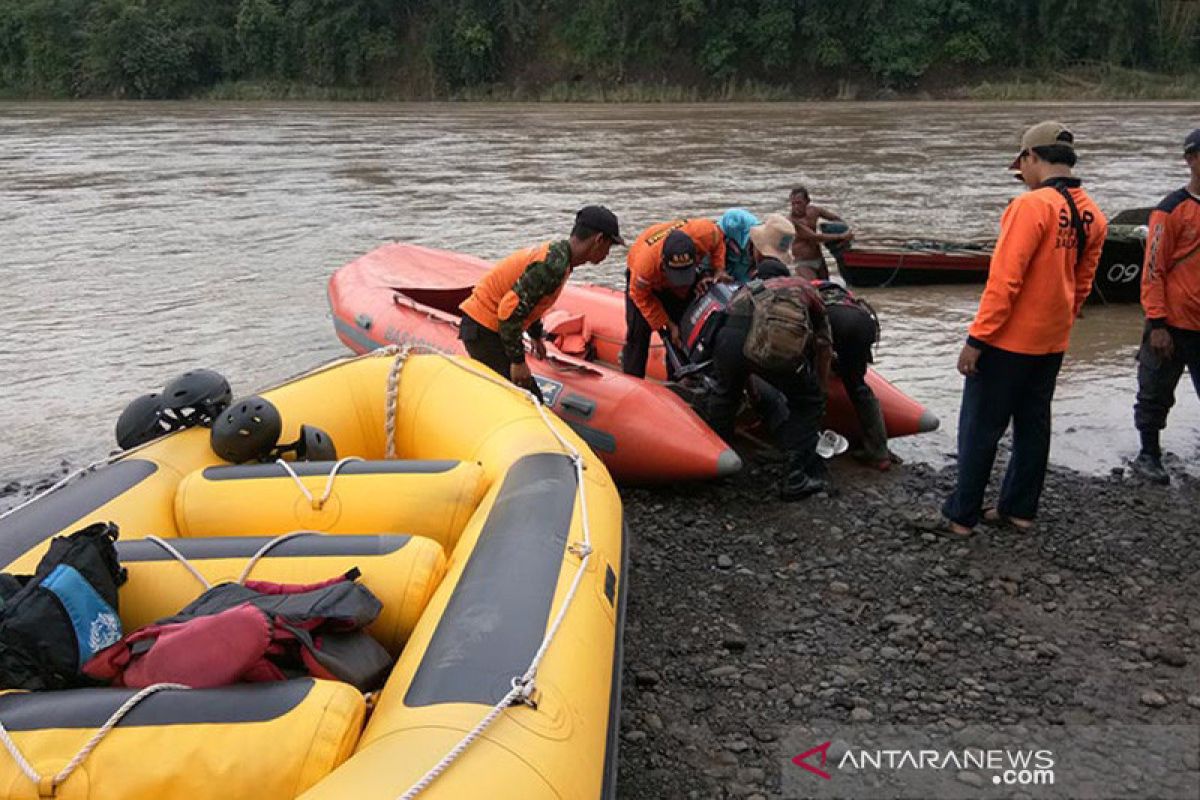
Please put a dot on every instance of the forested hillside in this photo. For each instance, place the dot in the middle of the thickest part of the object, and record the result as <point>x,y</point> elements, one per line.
<point>432,48</point>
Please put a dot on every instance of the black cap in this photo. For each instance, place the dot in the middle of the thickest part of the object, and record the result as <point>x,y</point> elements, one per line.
<point>1192,143</point>
<point>679,259</point>
<point>600,219</point>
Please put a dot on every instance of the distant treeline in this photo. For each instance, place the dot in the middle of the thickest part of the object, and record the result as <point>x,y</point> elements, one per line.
<point>429,48</point>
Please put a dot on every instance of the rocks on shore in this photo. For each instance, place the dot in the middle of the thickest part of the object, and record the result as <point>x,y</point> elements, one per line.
<point>748,616</point>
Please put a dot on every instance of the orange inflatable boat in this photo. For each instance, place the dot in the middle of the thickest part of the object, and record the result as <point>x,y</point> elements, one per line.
<point>407,294</point>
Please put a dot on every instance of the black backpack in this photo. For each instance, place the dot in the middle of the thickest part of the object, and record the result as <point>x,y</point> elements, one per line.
<point>53,621</point>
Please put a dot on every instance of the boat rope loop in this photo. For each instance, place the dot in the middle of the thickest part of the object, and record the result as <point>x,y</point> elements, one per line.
<point>181,558</point>
<point>48,784</point>
<point>250,564</point>
<point>523,686</point>
<point>317,503</point>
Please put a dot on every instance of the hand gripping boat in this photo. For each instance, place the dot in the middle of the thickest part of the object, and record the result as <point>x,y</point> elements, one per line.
<point>402,293</point>
<point>492,536</point>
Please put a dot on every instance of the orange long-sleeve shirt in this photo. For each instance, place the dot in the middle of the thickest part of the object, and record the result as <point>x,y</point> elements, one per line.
<point>645,262</point>
<point>1171,273</point>
<point>1037,281</point>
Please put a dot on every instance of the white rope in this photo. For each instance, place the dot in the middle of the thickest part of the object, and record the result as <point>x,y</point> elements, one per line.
<point>87,749</point>
<point>524,686</point>
<point>170,548</point>
<point>317,504</point>
<point>262,551</point>
<point>63,482</point>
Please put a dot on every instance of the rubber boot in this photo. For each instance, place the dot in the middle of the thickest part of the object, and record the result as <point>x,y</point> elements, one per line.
<point>874,449</point>
<point>1149,467</point>
<point>801,478</point>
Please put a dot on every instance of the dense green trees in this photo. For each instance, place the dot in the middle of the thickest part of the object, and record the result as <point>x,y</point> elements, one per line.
<point>172,48</point>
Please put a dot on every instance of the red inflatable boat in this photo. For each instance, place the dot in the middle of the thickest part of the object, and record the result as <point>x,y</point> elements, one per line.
<point>643,431</point>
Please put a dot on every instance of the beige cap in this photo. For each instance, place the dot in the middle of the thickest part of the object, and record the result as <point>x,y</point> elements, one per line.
<point>774,237</point>
<point>1044,134</point>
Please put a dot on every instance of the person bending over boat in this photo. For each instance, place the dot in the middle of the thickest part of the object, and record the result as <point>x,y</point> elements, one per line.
<point>803,383</point>
<point>512,297</point>
<point>1041,272</point>
<point>806,250</point>
<point>855,329</point>
<point>661,280</point>
<point>1171,300</point>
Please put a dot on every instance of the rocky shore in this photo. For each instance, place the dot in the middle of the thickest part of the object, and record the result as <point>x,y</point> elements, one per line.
<point>748,616</point>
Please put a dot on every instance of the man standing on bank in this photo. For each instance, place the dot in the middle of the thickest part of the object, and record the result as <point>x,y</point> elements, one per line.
<point>662,278</point>
<point>1171,300</point>
<point>514,295</point>
<point>1041,272</point>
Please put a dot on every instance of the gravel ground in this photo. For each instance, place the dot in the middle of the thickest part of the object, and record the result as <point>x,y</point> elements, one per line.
<point>748,616</point>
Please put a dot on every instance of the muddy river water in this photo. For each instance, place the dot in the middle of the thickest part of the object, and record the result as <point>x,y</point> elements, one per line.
<point>139,240</point>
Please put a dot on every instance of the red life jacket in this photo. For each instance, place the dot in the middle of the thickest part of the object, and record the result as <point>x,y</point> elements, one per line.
<point>255,632</point>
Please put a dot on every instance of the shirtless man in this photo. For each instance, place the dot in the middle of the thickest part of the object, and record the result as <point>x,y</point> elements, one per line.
<point>810,262</point>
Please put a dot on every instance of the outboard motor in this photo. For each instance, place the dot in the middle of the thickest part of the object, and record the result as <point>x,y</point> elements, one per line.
<point>703,318</point>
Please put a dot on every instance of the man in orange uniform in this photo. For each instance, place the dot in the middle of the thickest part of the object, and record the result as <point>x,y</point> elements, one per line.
<point>511,298</point>
<point>1171,300</point>
<point>1041,272</point>
<point>661,280</point>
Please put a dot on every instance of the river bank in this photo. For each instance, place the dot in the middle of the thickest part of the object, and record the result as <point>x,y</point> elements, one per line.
<point>748,617</point>
<point>1093,84</point>
<point>1100,83</point>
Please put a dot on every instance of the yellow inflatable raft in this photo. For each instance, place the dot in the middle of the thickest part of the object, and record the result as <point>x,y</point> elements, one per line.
<point>493,537</point>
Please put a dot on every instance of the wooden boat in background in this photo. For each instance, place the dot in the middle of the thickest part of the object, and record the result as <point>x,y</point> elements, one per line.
<point>643,431</point>
<point>914,263</point>
<point>923,262</point>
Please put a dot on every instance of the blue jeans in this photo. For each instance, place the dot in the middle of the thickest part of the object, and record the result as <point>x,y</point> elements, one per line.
<point>1008,387</point>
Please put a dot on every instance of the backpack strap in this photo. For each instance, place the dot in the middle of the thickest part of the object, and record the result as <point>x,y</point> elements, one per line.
<point>1076,219</point>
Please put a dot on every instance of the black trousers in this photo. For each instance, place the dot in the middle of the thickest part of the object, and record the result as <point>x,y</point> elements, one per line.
<point>805,400</point>
<point>484,345</point>
<point>854,334</point>
<point>1158,378</point>
<point>1008,387</point>
<point>638,332</point>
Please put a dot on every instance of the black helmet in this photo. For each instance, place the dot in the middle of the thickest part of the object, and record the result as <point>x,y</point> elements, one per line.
<point>141,422</point>
<point>247,430</point>
<point>314,444</point>
<point>196,397</point>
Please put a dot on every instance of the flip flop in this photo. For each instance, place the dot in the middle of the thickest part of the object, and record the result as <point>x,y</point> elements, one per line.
<point>992,516</point>
<point>953,530</point>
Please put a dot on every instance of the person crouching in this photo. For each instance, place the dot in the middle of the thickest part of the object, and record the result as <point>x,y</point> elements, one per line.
<point>790,348</point>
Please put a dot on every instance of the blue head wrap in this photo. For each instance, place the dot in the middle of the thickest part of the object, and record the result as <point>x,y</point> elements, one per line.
<point>736,224</point>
